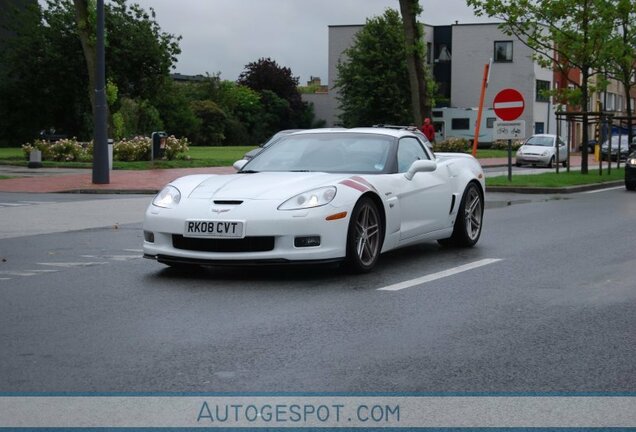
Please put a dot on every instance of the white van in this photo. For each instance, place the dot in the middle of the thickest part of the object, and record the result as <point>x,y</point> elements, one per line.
<point>461,123</point>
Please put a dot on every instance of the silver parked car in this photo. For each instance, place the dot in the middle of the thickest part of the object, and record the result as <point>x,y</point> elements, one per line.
<point>540,149</point>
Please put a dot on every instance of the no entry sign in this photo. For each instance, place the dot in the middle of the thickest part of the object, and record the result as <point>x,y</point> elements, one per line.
<point>509,104</point>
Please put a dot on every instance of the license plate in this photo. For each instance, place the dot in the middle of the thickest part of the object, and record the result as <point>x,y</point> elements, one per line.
<point>214,229</point>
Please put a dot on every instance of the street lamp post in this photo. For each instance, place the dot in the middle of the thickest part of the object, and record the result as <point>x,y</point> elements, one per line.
<point>101,174</point>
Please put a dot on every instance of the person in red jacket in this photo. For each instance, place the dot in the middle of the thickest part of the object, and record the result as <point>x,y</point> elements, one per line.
<point>428,130</point>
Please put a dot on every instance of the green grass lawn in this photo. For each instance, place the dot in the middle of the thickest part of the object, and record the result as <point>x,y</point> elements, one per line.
<point>199,157</point>
<point>563,179</point>
<point>488,153</point>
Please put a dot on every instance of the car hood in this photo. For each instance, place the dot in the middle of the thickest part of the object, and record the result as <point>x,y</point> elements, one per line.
<point>265,185</point>
<point>536,149</point>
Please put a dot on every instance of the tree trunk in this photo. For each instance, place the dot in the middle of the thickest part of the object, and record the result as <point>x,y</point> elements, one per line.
<point>85,33</point>
<point>414,64</point>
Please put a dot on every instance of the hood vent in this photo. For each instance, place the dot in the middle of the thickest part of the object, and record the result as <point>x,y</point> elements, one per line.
<point>228,202</point>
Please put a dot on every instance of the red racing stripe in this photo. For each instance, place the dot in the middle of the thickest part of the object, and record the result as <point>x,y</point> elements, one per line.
<point>354,185</point>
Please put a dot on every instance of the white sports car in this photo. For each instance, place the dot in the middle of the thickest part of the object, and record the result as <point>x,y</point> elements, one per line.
<point>321,195</point>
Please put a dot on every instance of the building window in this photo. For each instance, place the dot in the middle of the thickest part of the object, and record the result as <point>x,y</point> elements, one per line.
<point>503,51</point>
<point>542,89</point>
<point>490,122</point>
<point>460,123</point>
<point>539,128</point>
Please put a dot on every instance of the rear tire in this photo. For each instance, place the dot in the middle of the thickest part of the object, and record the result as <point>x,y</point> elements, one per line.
<point>630,186</point>
<point>468,223</point>
<point>364,237</point>
<point>565,164</point>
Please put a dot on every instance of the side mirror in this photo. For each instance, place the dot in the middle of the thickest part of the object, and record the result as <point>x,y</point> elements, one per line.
<point>420,166</point>
<point>239,164</point>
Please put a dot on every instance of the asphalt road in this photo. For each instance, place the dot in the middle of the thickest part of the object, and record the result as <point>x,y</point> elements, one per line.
<point>81,310</point>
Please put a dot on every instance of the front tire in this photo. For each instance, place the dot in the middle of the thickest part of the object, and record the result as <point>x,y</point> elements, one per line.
<point>630,186</point>
<point>364,237</point>
<point>468,222</point>
<point>551,162</point>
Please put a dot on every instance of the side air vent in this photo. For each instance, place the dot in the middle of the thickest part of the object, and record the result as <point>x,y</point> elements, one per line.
<point>453,199</point>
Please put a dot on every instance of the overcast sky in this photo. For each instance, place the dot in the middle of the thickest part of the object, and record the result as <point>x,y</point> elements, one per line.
<point>225,35</point>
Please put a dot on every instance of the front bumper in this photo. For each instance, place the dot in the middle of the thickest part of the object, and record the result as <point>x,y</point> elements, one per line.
<point>630,174</point>
<point>525,159</point>
<point>279,229</point>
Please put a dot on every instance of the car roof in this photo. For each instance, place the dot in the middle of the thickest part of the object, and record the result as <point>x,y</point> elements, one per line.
<point>397,133</point>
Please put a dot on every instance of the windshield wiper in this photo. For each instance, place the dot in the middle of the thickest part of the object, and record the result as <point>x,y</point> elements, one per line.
<point>300,171</point>
<point>248,172</point>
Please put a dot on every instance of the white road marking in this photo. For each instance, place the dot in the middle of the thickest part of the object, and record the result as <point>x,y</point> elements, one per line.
<point>73,264</point>
<point>11,204</point>
<point>17,273</point>
<point>134,250</point>
<point>604,190</point>
<point>114,257</point>
<point>5,278</point>
<point>439,275</point>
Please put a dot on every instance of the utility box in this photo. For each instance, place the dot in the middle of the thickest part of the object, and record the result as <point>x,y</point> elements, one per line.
<point>158,145</point>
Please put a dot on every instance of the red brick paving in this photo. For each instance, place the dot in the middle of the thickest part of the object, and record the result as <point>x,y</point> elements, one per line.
<point>120,180</point>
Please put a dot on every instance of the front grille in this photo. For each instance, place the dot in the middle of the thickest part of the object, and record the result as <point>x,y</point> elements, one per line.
<point>247,244</point>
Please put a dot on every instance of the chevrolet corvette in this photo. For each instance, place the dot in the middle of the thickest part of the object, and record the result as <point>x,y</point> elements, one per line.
<point>317,196</point>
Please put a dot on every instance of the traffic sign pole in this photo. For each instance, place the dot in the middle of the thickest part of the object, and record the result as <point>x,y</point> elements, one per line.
<point>509,105</point>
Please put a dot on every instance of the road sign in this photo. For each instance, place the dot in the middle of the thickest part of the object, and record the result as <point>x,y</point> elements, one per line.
<point>510,129</point>
<point>509,104</point>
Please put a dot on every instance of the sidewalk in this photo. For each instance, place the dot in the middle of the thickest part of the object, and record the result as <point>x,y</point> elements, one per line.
<point>47,180</point>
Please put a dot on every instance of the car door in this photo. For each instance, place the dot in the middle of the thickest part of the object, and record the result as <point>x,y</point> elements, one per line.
<point>425,199</point>
<point>563,150</point>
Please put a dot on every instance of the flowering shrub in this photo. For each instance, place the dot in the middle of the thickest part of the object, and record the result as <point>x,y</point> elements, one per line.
<point>65,150</point>
<point>451,145</point>
<point>176,148</point>
<point>503,145</point>
<point>42,145</point>
<point>134,149</point>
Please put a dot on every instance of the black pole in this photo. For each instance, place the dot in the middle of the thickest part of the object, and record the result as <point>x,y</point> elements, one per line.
<point>100,148</point>
<point>509,160</point>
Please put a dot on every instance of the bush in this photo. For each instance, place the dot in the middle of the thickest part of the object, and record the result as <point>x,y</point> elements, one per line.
<point>503,145</point>
<point>452,145</point>
<point>64,150</point>
<point>139,149</point>
<point>176,148</point>
<point>134,149</point>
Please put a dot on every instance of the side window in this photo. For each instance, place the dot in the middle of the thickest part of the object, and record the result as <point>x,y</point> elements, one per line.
<point>409,150</point>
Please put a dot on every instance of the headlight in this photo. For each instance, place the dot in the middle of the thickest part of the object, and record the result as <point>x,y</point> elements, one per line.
<point>310,199</point>
<point>545,153</point>
<point>169,197</point>
<point>631,161</point>
<point>520,151</point>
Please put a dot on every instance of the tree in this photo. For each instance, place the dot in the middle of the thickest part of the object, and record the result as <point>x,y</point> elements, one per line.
<point>420,103</point>
<point>565,34</point>
<point>48,83</point>
<point>621,63</point>
<point>373,81</point>
<point>266,75</point>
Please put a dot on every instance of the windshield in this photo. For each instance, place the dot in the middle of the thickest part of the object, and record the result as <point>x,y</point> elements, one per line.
<point>326,152</point>
<point>543,141</point>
